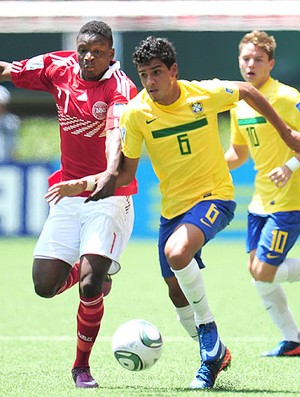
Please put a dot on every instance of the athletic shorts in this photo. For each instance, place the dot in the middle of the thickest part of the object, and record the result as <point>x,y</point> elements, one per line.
<point>272,235</point>
<point>74,228</point>
<point>209,216</point>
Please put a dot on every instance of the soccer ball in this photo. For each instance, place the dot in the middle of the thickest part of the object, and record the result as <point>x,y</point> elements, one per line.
<point>137,345</point>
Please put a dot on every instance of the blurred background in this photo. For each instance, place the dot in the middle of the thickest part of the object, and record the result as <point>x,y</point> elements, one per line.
<point>206,36</point>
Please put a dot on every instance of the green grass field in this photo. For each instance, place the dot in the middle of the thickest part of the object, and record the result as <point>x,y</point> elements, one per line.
<point>37,336</point>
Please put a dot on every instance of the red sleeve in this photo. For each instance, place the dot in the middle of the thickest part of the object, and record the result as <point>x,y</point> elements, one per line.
<point>32,74</point>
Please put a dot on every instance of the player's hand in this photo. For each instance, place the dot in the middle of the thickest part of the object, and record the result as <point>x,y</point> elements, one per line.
<point>67,188</point>
<point>280,175</point>
<point>105,186</point>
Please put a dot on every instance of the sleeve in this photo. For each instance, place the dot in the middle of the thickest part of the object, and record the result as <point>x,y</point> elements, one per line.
<point>291,112</point>
<point>132,137</point>
<point>236,138</point>
<point>33,73</point>
<point>224,94</point>
<point>120,95</point>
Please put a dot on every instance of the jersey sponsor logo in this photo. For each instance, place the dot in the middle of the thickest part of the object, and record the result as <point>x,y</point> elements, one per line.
<point>99,110</point>
<point>298,106</point>
<point>196,107</point>
<point>35,63</point>
<point>271,256</point>
<point>151,121</point>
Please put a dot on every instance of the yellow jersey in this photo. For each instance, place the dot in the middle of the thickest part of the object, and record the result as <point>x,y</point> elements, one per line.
<point>183,142</point>
<point>266,147</point>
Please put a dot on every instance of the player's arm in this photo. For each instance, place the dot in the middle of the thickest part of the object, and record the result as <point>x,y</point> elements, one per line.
<point>106,182</point>
<point>120,171</point>
<point>126,175</point>
<point>236,155</point>
<point>281,175</point>
<point>70,188</point>
<point>257,101</point>
<point>5,69</point>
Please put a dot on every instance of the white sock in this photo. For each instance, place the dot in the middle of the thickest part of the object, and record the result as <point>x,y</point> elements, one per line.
<point>191,282</point>
<point>275,302</point>
<point>185,315</point>
<point>289,270</point>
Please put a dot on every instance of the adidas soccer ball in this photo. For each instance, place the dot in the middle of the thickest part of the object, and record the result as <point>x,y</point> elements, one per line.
<point>137,345</point>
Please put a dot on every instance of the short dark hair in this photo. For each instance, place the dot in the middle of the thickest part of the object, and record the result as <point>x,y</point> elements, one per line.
<point>97,28</point>
<point>154,48</point>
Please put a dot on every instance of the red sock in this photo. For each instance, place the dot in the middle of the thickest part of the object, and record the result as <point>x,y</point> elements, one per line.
<point>89,316</point>
<point>71,280</point>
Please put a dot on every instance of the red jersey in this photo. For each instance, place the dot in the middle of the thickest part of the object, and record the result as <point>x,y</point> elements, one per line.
<point>86,109</point>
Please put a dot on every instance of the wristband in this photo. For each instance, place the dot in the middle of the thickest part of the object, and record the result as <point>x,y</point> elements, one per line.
<point>293,164</point>
<point>90,183</point>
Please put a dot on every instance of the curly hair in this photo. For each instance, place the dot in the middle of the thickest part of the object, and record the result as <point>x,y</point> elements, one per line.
<point>260,39</point>
<point>97,28</point>
<point>154,48</point>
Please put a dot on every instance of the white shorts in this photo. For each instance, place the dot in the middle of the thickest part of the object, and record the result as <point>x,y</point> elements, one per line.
<point>74,228</point>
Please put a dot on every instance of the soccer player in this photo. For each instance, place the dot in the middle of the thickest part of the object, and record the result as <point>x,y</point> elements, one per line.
<point>90,92</point>
<point>274,211</point>
<point>177,120</point>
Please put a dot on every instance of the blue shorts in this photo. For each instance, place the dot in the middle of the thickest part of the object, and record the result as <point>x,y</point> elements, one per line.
<point>272,235</point>
<point>209,216</point>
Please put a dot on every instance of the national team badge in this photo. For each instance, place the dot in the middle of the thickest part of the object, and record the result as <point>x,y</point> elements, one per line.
<point>99,110</point>
<point>196,107</point>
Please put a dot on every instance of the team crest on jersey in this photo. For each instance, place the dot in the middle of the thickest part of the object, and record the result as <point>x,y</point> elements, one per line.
<point>99,110</point>
<point>35,63</point>
<point>196,107</point>
<point>298,106</point>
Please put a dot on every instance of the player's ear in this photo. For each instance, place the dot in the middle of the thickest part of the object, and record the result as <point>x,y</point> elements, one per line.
<point>174,70</point>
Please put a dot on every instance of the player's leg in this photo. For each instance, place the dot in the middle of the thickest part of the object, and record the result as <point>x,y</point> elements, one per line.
<point>184,243</point>
<point>269,268</point>
<point>56,249</point>
<point>93,271</point>
<point>184,311</point>
<point>107,226</point>
<point>214,354</point>
<point>49,275</point>
<point>73,279</point>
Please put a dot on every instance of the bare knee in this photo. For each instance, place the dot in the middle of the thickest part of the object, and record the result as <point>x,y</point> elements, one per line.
<point>44,290</point>
<point>262,271</point>
<point>89,289</point>
<point>177,257</point>
<point>48,276</point>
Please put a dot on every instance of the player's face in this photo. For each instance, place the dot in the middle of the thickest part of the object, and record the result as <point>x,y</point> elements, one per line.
<point>94,56</point>
<point>160,82</point>
<point>255,66</point>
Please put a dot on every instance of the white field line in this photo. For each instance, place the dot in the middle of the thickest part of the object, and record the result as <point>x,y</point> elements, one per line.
<point>173,339</point>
